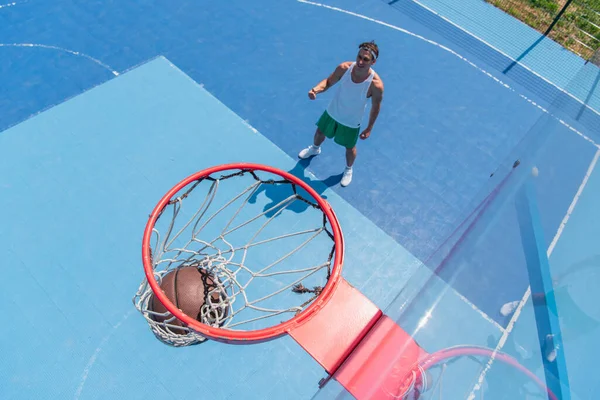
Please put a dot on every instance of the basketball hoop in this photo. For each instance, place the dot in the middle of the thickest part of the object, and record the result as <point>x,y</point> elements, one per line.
<point>203,280</point>
<point>246,298</point>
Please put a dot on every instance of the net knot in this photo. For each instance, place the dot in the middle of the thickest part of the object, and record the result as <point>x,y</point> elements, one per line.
<point>300,289</point>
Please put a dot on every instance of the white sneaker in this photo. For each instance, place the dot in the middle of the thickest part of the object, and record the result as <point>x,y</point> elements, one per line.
<point>509,308</point>
<point>347,177</point>
<point>310,151</point>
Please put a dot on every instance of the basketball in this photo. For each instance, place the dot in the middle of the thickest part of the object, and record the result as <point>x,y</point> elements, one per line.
<point>187,288</point>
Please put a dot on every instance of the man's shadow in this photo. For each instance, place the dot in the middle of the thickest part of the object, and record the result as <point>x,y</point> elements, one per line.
<point>278,193</point>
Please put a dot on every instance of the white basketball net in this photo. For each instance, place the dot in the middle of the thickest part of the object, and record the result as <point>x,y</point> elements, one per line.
<point>264,256</point>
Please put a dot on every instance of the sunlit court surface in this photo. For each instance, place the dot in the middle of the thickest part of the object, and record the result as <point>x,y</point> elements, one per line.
<point>162,239</point>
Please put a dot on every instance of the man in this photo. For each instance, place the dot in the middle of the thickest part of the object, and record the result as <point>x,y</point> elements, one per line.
<point>341,121</point>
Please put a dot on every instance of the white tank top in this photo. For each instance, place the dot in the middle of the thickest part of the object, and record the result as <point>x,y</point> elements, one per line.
<point>349,102</point>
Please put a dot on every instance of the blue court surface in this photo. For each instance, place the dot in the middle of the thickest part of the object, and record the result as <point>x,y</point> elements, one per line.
<point>104,106</point>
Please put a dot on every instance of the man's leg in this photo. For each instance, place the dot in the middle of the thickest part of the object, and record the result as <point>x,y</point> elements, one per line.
<point>350,157</point>
<point>319,138</point>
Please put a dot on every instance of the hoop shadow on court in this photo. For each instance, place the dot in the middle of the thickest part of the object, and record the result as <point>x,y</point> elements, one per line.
<point>276,193</point>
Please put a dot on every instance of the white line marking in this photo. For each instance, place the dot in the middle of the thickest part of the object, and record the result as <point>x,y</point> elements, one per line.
<point>507,56</point>
<point>9,4</point>
<point>247,123</point>
<point>76,53</point>
<point>484,315</point>
<point>460,57</point>
<point>92,360</point>
<point>527,294</point>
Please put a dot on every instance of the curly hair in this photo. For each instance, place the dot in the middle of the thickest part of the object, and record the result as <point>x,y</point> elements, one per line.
<point>371,47</point>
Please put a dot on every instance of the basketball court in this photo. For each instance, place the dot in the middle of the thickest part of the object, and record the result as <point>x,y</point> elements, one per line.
<point>105,107</point>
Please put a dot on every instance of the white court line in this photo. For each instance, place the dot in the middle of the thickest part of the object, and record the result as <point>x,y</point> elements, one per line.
<point>506,55</point>
<point>527,294</point>
<point>76,53</point>
<point>562,122</point>
<point>94,357</point>
<point>8,5</point>
<point>480,312</point>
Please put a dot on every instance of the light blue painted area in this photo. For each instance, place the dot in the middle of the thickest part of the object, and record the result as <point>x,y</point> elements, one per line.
<point>83,177</point>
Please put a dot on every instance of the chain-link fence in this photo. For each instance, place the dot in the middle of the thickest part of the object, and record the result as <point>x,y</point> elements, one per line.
<point>575,24</point>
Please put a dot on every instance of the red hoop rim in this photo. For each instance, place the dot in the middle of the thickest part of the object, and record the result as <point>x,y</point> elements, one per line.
<point>264,334</point>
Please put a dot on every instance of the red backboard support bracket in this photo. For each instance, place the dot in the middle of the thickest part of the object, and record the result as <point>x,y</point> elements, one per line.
<point>332,333</point>
<point>379,366</point>
<point>364,350</point>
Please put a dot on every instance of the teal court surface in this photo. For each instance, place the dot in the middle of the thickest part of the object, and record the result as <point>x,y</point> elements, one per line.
<point>105,106</point>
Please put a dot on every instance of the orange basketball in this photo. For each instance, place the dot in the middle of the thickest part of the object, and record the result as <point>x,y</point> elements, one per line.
<point>187,288</point>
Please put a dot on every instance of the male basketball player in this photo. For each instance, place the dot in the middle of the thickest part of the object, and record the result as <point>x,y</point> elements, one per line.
<point>342,118</point>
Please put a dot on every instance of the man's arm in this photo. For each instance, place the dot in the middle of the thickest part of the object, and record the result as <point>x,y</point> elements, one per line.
<point>330,80</point>
<point>376,99</point>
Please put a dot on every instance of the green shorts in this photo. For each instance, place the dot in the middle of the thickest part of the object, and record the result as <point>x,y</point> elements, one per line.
<point>341,134</point>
